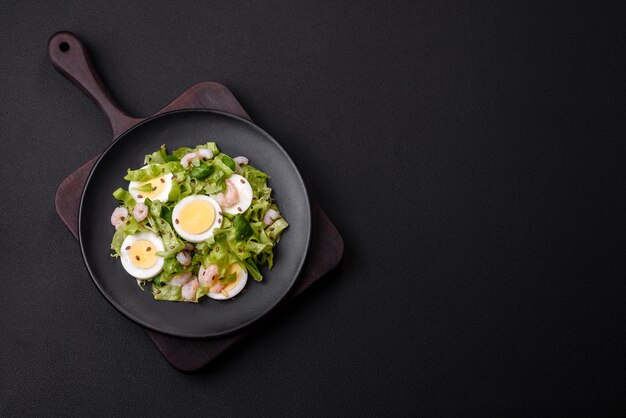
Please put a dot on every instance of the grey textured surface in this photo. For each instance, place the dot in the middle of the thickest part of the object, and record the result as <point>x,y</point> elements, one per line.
<point>471,155</point>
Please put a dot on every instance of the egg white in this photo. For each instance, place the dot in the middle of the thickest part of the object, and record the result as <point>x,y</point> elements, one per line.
<point>163,196</point>
<point>130,267</point>
<point>245,195</point>
<point>239,285</point>
<point>217,222</point>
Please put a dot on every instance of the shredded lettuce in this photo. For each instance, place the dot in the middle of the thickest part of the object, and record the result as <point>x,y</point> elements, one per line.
<point>116,242</point>
<point>273,231</point>
<point>159,157</point>
<point>202,171</point>
<point>129,227</point>
<point>167,292</point>
<point>222,165</point>
<point>124,196</point>
<point>174,293</point>
<point>173,244</point>
<point>242,227</point>
<point>153,171</point>
<point>243,238</point>
<point>143,188</point>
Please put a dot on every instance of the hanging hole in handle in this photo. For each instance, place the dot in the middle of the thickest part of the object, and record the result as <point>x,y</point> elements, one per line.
<point>64,46</point>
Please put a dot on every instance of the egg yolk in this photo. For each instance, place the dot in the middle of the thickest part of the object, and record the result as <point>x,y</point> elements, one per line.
<point>196,217</point>
<point>157,187</point>
<point>143,254</point>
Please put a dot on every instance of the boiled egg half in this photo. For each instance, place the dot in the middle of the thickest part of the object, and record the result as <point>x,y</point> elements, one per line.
<point>219,292</point>
<point>139,257</point>
<point>241,200</point>
<point>195,217</point>
<point>160,188</point>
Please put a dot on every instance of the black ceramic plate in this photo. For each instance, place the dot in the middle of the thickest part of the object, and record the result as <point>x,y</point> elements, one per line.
<point>234,136</point>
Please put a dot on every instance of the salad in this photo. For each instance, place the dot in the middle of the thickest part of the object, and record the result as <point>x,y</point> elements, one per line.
<point>194,223</point>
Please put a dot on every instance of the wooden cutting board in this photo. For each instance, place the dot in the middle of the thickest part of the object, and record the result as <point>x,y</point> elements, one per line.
<point>70,57</point>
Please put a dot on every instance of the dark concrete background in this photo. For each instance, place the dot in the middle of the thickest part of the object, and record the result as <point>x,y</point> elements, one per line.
<point>471,154</point>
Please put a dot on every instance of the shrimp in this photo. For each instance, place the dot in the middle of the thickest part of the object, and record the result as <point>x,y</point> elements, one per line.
<point>187,159</point>
<point>230,198</point>
<point>140,211</point>
<point>184,258</point>
<point>207,276</point>
<point>188,291</point>
<point>270,216</point>
<point>205,154</point>
<point>240,160</point>
<point>118,216</point>
<point>180,279</point>
<point>217,288</point>
<point>189,247</point>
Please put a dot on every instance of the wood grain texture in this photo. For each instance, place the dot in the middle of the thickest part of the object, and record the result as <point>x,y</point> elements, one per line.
<point>70,57</point>
<point>325,251</point>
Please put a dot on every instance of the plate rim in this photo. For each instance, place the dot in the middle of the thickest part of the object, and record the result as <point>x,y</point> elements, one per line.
<point>233,330</point>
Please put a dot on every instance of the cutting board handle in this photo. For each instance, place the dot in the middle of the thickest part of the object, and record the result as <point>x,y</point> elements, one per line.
<point>69,56</point>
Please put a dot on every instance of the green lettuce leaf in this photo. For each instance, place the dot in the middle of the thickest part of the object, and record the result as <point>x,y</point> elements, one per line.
<point>174,193</point>
<point>202,171</point>
<point>213,188</point>
<point>116,242</point>
<point>255,247</point>
<point>228,162</point>
<point>242,227</point>
<point>166,213</point>
<point>123,196</point>
<point>154,206</point>
<point>258,181</point>
<point>274,230</point>
<point>242,238</point>
<point>211,146</point>
<point>153,171</point>
<point>129,227</point>
<point>167,292</point>
<point>180,152</point>
<point>253,270</point>
<point>172,243</point>
<point>157,157</point>
<point>144,188</point>
<point>220,162</point>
